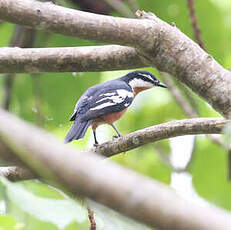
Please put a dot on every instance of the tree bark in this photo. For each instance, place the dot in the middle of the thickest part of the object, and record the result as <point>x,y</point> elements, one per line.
<point>161,45</point>
<point>69,59</point>
<point>159,132</point>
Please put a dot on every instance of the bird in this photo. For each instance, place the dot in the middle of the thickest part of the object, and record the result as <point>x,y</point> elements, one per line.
<point>107,102</point>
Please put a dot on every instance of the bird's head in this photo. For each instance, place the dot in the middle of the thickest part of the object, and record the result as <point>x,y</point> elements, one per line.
<point>141,80</point>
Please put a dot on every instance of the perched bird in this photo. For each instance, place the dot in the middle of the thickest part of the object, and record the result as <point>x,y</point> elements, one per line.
<point>107,102</point>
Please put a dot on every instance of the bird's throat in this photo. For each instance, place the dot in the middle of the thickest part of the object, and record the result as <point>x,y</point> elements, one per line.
<point>137,90</point>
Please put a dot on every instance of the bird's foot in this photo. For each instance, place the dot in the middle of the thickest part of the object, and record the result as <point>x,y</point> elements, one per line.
<point>114,137</point>
<point>96,144</point>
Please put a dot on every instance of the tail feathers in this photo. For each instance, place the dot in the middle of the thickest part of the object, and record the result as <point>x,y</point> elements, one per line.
<point>77,130</point>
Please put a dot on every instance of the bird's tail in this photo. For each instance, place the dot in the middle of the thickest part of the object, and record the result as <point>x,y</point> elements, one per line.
<point>77,130</point>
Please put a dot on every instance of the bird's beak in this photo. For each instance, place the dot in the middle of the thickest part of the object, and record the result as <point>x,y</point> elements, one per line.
<point>162,85</point>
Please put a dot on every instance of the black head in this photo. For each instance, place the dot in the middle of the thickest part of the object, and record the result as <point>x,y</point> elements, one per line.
<point>142,79</point>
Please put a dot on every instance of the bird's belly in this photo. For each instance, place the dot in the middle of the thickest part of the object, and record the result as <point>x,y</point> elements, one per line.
<point>108,119</point>
<point>112,117</point>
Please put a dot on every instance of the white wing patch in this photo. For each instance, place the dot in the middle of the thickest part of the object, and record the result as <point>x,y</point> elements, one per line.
<point>104,105</point>
<point>115,98</point>
<point>124,93</point>
<point>107,94</point>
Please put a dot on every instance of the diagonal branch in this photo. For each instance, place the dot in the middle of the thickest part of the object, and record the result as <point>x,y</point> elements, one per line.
<point>110,184</point>
<point>159,132</point>
<point>72,59</point>
<point>163,45</point>
<point>179,98</point>
<point>144,136</point>
<point>128,142</point>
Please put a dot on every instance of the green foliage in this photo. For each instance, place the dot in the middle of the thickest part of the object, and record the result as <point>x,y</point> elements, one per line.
<point>9,223</point>
<point>32,205</point>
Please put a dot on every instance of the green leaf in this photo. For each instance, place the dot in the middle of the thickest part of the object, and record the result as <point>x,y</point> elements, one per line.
<point>9,223</point>
<point>43,190</point>
<point>56,211</point>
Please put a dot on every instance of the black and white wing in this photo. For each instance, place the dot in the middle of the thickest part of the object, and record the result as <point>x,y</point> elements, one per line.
<point>81,106</point>
<point>102,99</point>
<point>108,101</point>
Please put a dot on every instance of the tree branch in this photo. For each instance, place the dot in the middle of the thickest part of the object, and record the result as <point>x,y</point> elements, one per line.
<point>162,45</point>
<point>14,173</point>
<point>114,186</point>
<point>73,22</point>
<point>144,136</point>
<point>72,59</point>
<point>159,132</point>
<point>139,138</point>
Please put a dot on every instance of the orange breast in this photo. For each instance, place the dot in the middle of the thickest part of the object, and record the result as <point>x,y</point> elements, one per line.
<point>139,89</point>
<point>108,119</point>
<point>112,117</point>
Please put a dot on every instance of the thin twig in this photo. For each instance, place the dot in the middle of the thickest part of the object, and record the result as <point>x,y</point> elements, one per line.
<point>133,5</point>
<point>196,29</point>
<point>120,7</point>
<point>91,219</point>
<point>176,93</point>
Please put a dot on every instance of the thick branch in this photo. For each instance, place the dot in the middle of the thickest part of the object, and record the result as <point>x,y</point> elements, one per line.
<point>47,16</point>
<point>72,59</point>
<point>164,46</point>
<point>159,132</point>
<point>121,189</point>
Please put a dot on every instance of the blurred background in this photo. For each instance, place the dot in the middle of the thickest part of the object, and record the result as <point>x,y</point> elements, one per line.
<point>196,167</point>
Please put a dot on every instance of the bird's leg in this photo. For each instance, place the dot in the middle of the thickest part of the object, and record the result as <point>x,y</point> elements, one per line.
<point>119,135</point>
<point>96,142</point>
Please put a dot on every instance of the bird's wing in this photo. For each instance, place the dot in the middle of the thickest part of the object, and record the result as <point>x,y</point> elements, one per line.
<point>108,101</point>
<point>81,106</point>
<point>109,97</point>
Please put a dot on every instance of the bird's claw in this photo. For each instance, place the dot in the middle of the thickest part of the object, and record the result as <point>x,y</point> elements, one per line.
<point>115,137</point>
<point>96,144</point>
